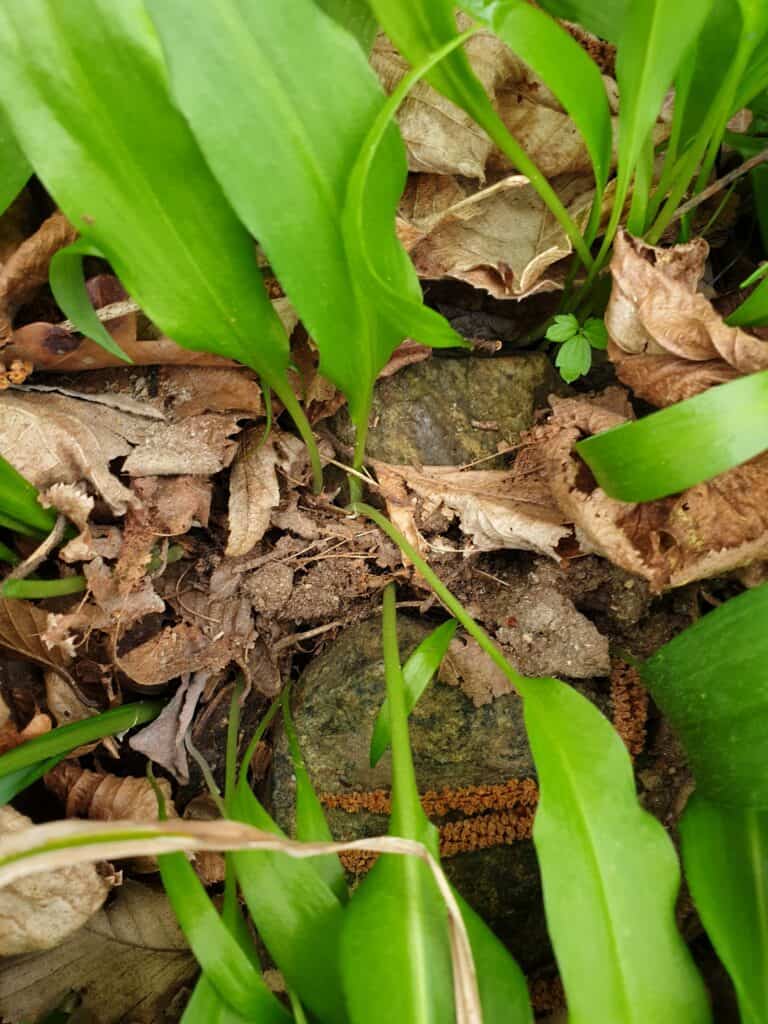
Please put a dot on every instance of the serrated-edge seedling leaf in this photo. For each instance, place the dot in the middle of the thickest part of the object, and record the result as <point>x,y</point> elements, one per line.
<point>683,445</point>
<point>725,854</point>
<point>609,872</point>
<point>711,682</point>
<point>68,287</point>
<point>311,823</point>
<point>418,672</point>
<point>226,966</point>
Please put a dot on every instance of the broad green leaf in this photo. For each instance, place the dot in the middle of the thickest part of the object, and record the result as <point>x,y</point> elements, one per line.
<point>396,963</point>
<point>286,74</point>
<point>753,312</point>
<point>120,161</point>
<point>609,872</point>
<point>14,167</point>
<point>68,287</point>
<point>419,28</point>
<point>417,675</point>
<point>297,915</point>
<point>205,1006</point>
<point>558,60</point>
<point>684,444</point>
<point>355,16</point>
<point>65,738</point>
<point>311,824</point>
<point>725,854</point>
<point>18,500</point>
<point>711,682</point>
<point>655,38</point>
<point>226,966</point>
<point>605,18</point>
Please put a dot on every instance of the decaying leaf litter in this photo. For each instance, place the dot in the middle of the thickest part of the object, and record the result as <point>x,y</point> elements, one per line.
<point>206,553</point>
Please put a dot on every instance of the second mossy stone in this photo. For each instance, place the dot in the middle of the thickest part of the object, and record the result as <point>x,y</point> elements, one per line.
<point>450,411</point>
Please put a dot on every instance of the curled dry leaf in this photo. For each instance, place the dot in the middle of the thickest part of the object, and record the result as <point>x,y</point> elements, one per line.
<point>211,868</point>
<point>41,911</point>
<point>177,651</point>
<point>497,509</point>
<point>51,438</point>
<point>22,629</point>
<point>62,701</point>
<point>11,737</point>
<point>27,269</point>
<point>254,489</point>
<point>707,530</point>
<point>127,963</point>
<point>190,391</point>
<point>173,504</point>
<point>502,238</point>
<point>162,741</point>
<point>667,340</point>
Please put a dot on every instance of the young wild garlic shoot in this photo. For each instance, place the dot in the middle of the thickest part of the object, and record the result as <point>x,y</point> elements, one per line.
<point>576,343</point>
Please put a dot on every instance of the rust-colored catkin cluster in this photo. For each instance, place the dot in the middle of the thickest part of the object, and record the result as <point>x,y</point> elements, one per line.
<point>629,700</point>
<point>105,797</point>
<point>547,995</point>
<point>494,815</point>
<point>16,373</point>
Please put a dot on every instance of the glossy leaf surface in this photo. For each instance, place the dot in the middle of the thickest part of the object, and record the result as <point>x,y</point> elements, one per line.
<point>605,18</point>
<point>355,16</point>
<point>14,166</point>
<point>725,853</point>
<point>609,872</point>
<point>711,682</point>
<point>684,444</point>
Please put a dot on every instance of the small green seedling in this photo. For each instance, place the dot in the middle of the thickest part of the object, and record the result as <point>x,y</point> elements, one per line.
<point>574,359</point>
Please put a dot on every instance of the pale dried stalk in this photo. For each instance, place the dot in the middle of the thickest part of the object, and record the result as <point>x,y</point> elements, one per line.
<point>44,847</point>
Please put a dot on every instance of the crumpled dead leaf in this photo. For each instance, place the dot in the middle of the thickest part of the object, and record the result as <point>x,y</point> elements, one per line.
<point>254,489</point>
<point>11,737</point>
<point>667,340</point>
<point>42,911</point>
<point>162,741</point>
<point>51,438</point>
<point>497,509</point>
<point>177,651</point>
<point>467,666</point>
<point>708,530</point>
<point>192,390</point>
<point>502,238</point>
<point>174,503</point>
<point>22,628</point>
<point>128,962</point>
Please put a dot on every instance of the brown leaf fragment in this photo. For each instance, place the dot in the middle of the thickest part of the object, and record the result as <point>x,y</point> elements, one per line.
<point>27,268</point>
<point>162,741</point>
<point>128,963</point>
<point>663,380</point>
<point>191,391</point>
<point>198,446</point>
<point>502,238</point>
<point>22,629</point>
<point>11,737</point>
<point>708,530</point>
<point>655,307</point>
<point>104,797</point>
<point>211,868</point>
<point>62,701</point>
<point>176,651</point>
<point>497,509</point>
<point>467,666</point>
<point>174,503</point>
<point>41,911</point>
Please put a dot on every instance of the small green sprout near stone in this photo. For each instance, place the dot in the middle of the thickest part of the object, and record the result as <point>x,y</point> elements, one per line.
<point>577,341</point>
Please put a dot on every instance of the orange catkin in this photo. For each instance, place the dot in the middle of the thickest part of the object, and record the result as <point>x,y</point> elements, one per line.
<point>629,699</point>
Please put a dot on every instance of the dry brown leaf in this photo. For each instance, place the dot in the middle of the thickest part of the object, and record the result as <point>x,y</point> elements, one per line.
<point>655,310</point>
<point>502,238</point>
<point>62,701</point>
<point>467,666</point>
<point>174,503</point>
<point>707,530</point>
<point>162,741</point>
<point>38,725</point>
<point>211,868</point>
<point>22,626</point>
<point>192,390</point>
<point>176,651</point>
<point>254,489</point>
<point>41,911</point>
<point>127,962</point>
<point>198,446</point>
<point>27,268</point>
<point>497,509</point>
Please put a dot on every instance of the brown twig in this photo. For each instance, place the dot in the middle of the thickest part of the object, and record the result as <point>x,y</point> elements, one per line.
<point>720,184</point>
<point>39,555</point>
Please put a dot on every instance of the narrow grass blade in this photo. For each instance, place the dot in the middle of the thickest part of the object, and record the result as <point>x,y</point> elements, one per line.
<point>673,449</point>
<point>753,312</point>
<point>725,854</point>
<point>225,964</point>
<point>18,500</point>
<point>14,167</point>
<point>39,589</point>
<point>711,682</point>
<point>68,737</point>
<point>13,784</point>
<point>68,287</point>
<point>311,824</point>
<point>205,1006</point>
<point>395,955</point>
<point>355,16</point>
<point>298,916</point>
<point>108,143</point>
<point>288,74</point>
<point>609,872</point>
<point>417,675</point>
